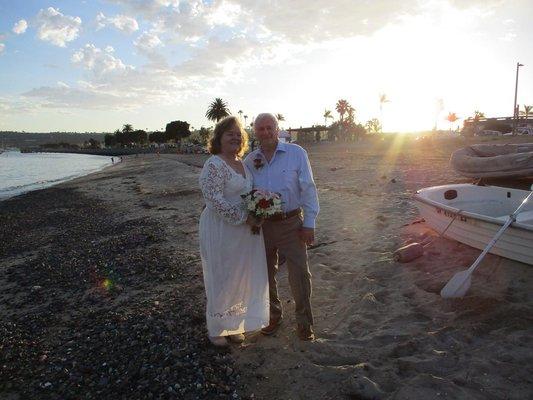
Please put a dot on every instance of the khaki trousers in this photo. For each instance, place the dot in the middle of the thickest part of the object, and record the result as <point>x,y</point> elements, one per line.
<point>283,236</point>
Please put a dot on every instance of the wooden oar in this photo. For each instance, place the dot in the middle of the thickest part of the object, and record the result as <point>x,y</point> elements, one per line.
<point>460,282</point>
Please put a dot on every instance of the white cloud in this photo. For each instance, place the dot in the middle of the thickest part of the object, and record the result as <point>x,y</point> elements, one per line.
<point>97,60</point>
<point>123,23</point>
<point>131,89</point>
<point>20,27</point>
<point>224,13</point>
<point>2,47</point>
<point>56,28</point>
<point>297,21</point>
<point>217,56</point>
<point>222,38</point>
<point>147,7</point>
<point>147,42</point>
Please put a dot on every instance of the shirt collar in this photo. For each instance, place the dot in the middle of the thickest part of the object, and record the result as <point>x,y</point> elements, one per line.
<point>280,147</point>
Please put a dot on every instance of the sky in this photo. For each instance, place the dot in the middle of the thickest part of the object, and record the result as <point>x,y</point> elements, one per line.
<point>92,66</point>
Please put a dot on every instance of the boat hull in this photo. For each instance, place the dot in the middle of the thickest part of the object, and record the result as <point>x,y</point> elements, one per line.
<point>477,230</point>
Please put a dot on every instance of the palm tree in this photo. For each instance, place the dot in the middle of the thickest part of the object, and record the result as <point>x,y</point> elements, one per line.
<point>451,118</point>
<point>240,114</point>
<point>245,118</point>
<point>342,107</point>
<point>280,117</point>
<point>373,126</point>
<point>327,115</point>
<point>127,128</point>
<point>351,115</point>
<point>382,100</point>
<point>478,115</point>
<point>217,110</point>
<point>527,111</point>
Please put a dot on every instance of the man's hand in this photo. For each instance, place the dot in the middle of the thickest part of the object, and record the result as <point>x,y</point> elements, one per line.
<point>253,221</point>
<point>307,235</point>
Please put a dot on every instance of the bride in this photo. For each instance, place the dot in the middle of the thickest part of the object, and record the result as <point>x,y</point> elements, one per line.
<point>233,259</point>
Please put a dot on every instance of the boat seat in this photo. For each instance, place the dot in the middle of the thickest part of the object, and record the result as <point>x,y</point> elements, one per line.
<point>502,218</point>
<point>525,216</point>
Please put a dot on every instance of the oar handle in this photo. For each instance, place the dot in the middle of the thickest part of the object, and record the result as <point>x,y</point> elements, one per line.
<point>521,205</point>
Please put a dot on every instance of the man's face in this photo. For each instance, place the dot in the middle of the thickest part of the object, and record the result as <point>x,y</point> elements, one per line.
<point>266,130</point>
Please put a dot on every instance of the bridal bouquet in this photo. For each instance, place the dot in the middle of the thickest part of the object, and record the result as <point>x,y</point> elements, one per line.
<point>262,204</point>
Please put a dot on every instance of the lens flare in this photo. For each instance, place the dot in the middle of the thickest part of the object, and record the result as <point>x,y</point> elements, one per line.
<point>107,284</point>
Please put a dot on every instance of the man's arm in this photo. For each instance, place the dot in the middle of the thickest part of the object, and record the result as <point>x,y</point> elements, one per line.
<point>308,192</point>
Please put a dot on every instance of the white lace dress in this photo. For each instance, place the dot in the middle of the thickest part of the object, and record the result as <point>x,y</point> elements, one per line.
<point>233,259</point>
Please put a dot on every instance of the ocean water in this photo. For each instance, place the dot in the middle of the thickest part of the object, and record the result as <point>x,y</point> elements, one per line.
<point>23,172</point>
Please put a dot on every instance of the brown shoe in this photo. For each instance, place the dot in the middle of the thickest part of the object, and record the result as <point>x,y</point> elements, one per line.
<point>272,327</point>
<point>305,332</point>
<point>237,338</point>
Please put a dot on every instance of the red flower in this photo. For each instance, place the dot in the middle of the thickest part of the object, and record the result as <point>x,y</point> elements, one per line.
<point>258,163</point>
<point>263,203</point>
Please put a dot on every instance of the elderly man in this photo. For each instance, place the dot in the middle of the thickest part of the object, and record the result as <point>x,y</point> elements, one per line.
<point>284,168</point>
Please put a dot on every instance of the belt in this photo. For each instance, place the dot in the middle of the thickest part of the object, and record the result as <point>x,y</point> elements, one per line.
<point>282,216</point>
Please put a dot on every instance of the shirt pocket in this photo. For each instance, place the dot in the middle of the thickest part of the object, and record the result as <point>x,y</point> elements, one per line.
<point>290,178</point>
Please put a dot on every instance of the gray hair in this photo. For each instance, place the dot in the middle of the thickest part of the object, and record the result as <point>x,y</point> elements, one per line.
<point>267,115</point>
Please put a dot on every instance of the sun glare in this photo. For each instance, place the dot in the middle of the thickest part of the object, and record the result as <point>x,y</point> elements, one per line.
<point>414,62</point>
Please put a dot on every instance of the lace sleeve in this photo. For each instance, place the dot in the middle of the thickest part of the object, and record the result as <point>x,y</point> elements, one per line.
<point>212,181</point>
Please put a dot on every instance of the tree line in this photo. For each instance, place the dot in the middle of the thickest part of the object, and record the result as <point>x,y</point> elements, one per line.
<point>175,131</point>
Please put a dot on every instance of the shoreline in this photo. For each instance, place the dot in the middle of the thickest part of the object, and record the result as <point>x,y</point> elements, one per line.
<point>30,187</point>
<point>97,300</point>
<point>115,257</point>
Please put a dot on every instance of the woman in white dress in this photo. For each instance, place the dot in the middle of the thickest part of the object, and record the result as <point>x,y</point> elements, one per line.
<point>233,259</point>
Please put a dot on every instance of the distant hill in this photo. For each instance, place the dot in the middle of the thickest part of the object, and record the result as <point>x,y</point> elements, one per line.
<point>28,139</point>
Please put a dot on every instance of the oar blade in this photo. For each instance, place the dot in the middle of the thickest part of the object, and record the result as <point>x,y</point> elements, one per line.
<point>457,286</point>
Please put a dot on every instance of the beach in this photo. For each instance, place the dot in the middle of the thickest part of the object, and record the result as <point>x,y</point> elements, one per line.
<point>102,292</point>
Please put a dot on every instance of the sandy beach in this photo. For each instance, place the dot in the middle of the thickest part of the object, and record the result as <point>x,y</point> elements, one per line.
<point>102,295</point>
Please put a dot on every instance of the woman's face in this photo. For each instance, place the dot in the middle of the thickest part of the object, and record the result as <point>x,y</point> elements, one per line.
<point>231,140</point>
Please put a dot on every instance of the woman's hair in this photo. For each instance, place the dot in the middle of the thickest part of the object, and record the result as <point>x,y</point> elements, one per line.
<point>223,126</point>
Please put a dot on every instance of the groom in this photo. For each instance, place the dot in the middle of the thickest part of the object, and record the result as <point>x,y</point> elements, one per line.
<point>284,168</point>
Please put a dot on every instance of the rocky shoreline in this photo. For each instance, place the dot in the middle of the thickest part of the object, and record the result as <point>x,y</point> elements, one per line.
<point>95,306</point>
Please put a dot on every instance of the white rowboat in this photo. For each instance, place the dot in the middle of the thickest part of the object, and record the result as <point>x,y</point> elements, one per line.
<point>482,211</point>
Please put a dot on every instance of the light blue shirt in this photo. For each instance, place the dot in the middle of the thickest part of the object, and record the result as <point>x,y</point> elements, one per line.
<point>288,173</point>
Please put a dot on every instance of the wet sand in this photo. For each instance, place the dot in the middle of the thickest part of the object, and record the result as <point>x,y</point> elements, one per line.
<point>115,258</point>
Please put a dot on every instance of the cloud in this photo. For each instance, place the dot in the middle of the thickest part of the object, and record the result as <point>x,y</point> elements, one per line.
<point>121,22</point>
<point>111,84</point>
<point>219,57</point>
<point>97,60</point>
<point>462,4</point>
<point>297,21</point>
<point>147,42</point>
<point>62,96</point>
<point>129,90</point>
<point>16,104</point>
<point>56,28</point>
<point>147,8</point>
<point>20,27</point>
<point>224,13</point>
<point>2,47</point>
